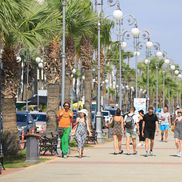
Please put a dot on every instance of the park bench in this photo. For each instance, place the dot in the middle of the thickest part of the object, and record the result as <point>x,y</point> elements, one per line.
<point>92,138</point>
<point>48,144</point>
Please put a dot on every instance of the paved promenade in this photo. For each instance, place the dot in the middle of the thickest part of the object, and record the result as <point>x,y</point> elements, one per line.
<point>100,165</point>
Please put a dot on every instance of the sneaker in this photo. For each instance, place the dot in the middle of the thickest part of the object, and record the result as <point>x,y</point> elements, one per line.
<point>179,154</point>
<point>151,153</point>
<point>146,154</point>
<point>135,153</point>
<point>65,156</point>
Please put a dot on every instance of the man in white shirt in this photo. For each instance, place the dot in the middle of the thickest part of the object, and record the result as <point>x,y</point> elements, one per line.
<point>164,124</point>
<point>131,124</point>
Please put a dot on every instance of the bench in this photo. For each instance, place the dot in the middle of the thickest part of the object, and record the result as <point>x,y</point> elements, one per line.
<point>92,139</point>
<point>48,144</point>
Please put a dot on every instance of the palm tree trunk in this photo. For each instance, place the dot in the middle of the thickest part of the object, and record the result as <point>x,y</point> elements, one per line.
<point>52,106</point>
<point>68,85</point>
<point>88,91</point>
<point>9,114</point>
<point>10,84</point>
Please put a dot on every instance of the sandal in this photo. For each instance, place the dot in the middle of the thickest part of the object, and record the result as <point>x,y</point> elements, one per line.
<point>121,152</point>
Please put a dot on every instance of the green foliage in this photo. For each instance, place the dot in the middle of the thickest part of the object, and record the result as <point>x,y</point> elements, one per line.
<point>10,144</point>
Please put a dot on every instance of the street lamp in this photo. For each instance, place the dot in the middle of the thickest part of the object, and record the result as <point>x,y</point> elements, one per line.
<point>63,55</point>
<point>166,62</point>
<point>118,15</point>
<point>122,44</point>
<point>136,32</point>
<point>176,72</point>
<point>159,55</point>
<point>147,62</point>
<point>40,76</point>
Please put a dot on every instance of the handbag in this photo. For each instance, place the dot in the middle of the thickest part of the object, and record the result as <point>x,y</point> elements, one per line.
<point>173,127</point>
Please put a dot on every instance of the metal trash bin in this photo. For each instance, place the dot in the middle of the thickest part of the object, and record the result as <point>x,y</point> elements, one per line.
<point>32,147</point>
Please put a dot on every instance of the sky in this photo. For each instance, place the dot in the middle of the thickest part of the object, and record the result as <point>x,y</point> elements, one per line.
<point>162,18</point>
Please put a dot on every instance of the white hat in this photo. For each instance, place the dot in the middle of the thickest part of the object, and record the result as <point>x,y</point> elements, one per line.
<point>83,111</point>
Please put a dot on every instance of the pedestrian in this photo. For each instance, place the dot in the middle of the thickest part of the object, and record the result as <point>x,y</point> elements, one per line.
<point>178,133</point>
<point>150,126</point>
<point>164,119</point>
<point>65,117</point>
<point>81,129</point>
<point>131,124</point>
<point>117,131</point>
<point>141,138</point>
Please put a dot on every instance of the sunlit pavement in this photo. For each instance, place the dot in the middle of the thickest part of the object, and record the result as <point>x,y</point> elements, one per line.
<point>100,164</point>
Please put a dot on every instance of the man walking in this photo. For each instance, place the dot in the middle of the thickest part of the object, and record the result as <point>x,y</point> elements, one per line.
<point>150,126</point>
<point>65,117</point>
<point>131,125</point>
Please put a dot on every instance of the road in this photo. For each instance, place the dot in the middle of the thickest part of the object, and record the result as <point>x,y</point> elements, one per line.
<point>100,165</point>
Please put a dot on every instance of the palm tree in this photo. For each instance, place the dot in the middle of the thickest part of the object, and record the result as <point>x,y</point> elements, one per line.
<point>27,28</point>
<point>169,81</point>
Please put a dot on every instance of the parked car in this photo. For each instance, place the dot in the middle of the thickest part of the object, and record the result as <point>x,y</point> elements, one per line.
<point>107,116</point>
<point>111,109</point>
<point>40,119</point>
<point>24,123</point>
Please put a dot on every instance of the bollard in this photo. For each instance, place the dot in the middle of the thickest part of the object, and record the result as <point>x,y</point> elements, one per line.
<point>32,147</point>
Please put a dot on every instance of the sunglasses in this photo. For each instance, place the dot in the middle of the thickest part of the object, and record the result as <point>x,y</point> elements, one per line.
<point>66,106</point>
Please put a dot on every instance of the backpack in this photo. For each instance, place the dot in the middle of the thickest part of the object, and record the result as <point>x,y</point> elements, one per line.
<point>130,123</point>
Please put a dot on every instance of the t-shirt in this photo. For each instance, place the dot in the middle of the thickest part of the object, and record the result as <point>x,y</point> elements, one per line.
<point>150,122</point>
<point>135,118</point>
<point>164,118</point>
<point>65,120</point>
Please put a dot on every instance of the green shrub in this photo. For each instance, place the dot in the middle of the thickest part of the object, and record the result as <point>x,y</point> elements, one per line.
<point>10,144</point>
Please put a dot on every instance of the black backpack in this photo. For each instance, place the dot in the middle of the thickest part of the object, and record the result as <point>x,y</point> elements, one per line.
<point>130,123</point>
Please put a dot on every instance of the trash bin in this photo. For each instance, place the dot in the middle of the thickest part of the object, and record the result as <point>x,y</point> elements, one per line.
<point>32,147</point>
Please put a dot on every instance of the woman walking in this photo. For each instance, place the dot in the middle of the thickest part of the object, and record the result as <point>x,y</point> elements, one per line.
<point>65,117</point>
<point>141,138</point>
<point>118,126</point>
<point>178,133</point>
<point>82,126</point>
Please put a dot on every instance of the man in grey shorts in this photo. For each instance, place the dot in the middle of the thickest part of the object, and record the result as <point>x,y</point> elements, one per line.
<point>132,128</point>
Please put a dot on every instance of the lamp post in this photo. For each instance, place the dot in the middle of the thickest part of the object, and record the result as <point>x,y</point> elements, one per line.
<point>172,67</point>
<point>63,56</point>
<point>40,64</point>
<point>99,4</point>
<point>136,32</point>
<point>176,72</point>
<point>118,15</point>
<point>180,77</point>
<point>166,62</point>
<point>159,55</point>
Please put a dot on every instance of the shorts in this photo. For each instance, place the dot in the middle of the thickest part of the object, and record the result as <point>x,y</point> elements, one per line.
<point>131,133</point>
<point>164,127</point>
<point>149,134</point>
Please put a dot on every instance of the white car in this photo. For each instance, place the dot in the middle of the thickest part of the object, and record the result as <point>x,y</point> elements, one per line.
<point>107,116</point>
<point>40,119</point>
